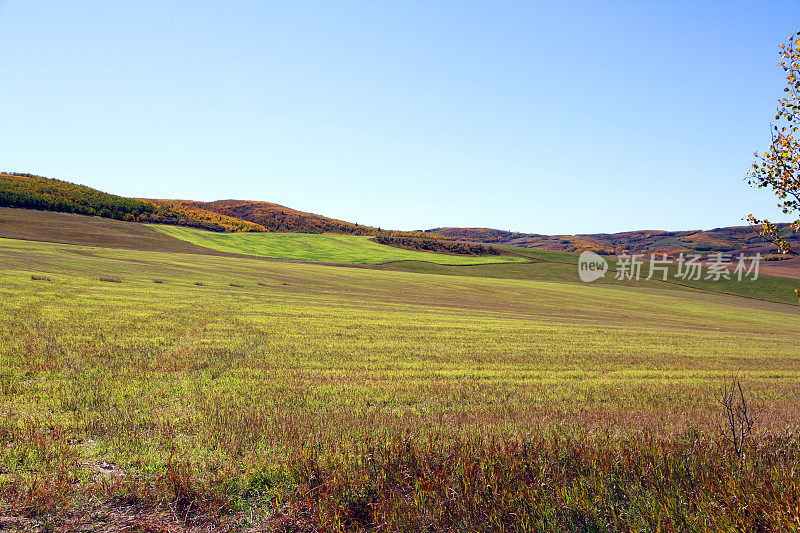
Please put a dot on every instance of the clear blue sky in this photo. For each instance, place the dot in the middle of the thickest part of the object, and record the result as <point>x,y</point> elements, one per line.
<point>548,117</point>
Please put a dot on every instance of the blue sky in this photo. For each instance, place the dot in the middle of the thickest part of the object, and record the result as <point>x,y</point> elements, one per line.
<point>546,117</point>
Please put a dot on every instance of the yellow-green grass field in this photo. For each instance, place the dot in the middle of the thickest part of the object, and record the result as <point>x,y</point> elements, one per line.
<point>200,391</point>
<point>319,247</point>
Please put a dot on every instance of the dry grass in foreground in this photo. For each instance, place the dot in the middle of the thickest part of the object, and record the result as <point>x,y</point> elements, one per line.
<point>581,482</point>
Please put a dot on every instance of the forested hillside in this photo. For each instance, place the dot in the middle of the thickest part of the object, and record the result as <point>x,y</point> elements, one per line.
<point>438,245</point>
<point>46,194</point>
<point>276,217</point>
<point>197,211</point>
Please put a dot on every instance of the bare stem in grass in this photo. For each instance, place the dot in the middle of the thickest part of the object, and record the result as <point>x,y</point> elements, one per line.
<point>738,420</point>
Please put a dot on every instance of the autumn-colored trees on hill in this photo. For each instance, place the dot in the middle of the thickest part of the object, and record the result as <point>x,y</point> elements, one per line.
<point>46,194</point>
<point>438,246</point>
<point>276,217</point>
<point>197,212</point>
<point>36,192</point>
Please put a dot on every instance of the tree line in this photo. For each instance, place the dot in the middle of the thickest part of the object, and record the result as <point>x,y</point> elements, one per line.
<point>437,246</point>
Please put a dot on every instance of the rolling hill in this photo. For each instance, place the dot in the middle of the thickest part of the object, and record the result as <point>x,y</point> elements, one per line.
<point>22,190</point>
<point>36,192</point>
<point>321,247</point>
<point>81,230</point>
<point>529,264</point>
<point>353,250</point>
<point>730,240</point>
<point>29,191</point>
<point>276,217</point>
<point>46,194</point>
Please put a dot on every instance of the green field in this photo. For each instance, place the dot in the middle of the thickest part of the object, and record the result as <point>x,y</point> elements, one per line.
<point>238,384</point>
<point>319,247</point>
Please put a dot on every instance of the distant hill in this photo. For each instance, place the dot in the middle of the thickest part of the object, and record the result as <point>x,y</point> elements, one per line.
<point>731,239</point>
<point>29,191</point>
<point>197,211</point>
<point>46,194</point>
<point>274,217</point>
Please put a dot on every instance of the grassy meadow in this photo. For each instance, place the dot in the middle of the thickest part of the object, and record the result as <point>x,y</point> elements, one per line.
<point>319,247</point>
<point>550,265</point>
<point>192,391</point>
